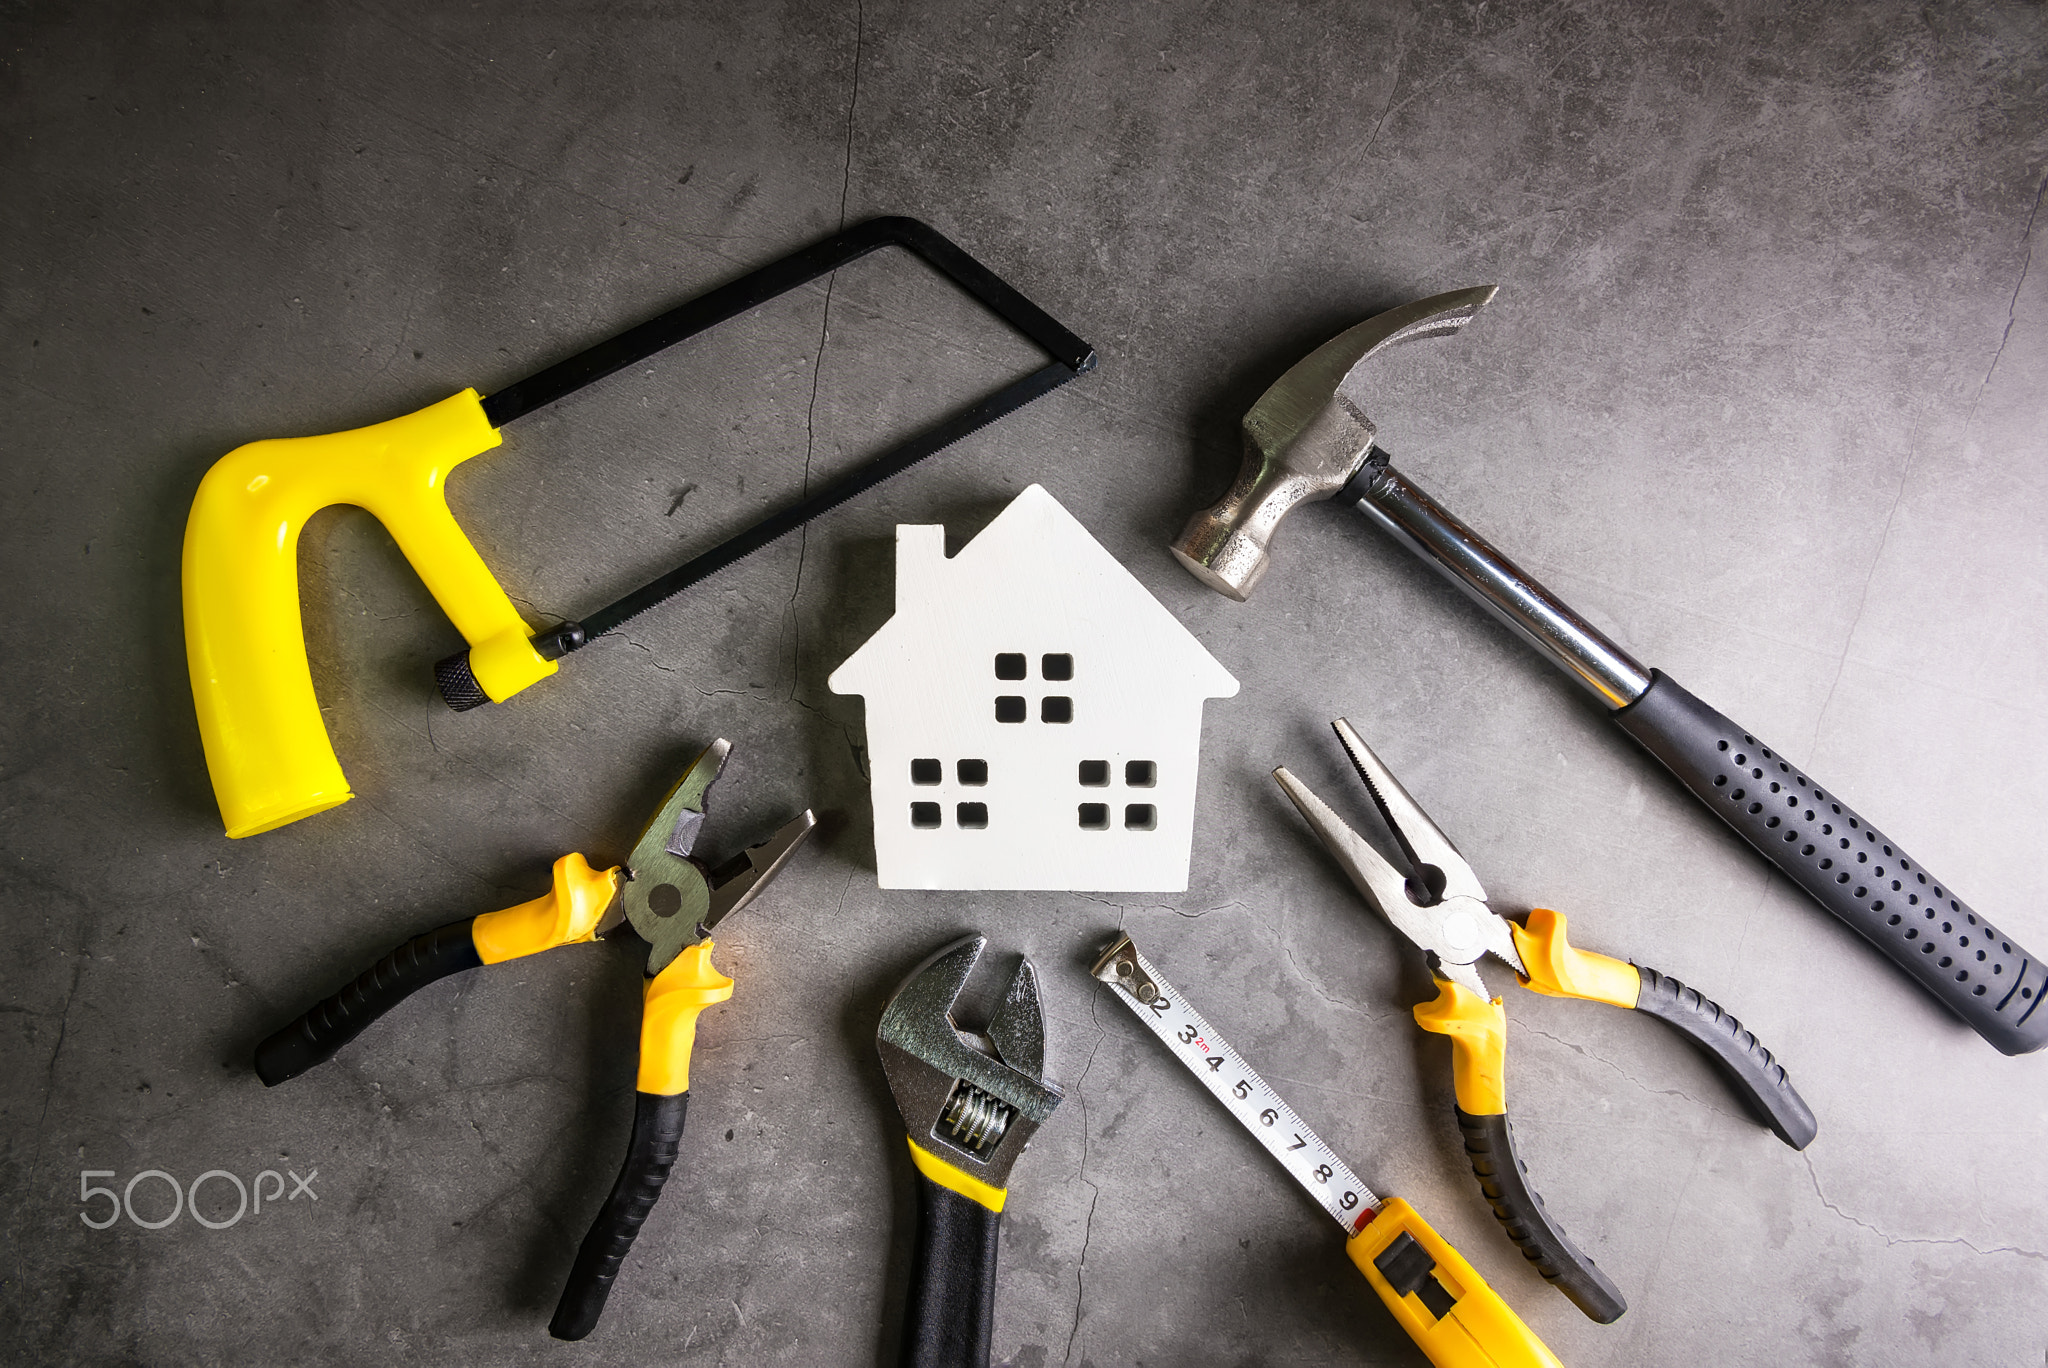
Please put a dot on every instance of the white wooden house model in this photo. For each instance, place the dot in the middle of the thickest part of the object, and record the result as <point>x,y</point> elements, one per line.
<point>1034,716</point>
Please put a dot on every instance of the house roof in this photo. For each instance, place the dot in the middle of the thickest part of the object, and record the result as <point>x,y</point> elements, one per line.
<point>1034,579</point>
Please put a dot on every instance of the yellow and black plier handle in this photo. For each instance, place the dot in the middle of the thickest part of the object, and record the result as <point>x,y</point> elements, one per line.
<point>567,914</point>
<point>1439,904</point>
<point>661,1099</point>
<point>1477,1028</point>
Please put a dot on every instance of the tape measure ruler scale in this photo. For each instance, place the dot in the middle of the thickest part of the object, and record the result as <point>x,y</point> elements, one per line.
<point>1434,1294</point>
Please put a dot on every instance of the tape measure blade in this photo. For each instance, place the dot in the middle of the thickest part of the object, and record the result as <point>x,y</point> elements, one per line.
<point>1245,1095</point>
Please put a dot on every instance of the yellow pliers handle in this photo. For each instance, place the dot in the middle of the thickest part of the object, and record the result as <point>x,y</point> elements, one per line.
<point>1478,1031</point>
<point>668,1030</point>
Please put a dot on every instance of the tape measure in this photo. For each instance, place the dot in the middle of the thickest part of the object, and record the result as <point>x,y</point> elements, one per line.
<point>1249,1098</point>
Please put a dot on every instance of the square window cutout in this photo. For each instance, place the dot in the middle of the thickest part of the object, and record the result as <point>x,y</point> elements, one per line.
<point>1140,773</point>
<point>974,772</point>
<point>973,816</point>
<point>1095,816</point>
<point>1059,666</point>
<point>1055,708</point>
<point>1010,665</point>
<point>1141,817</point>
<point>924,815</point>
<point>1095,773</point>
<point>926,771</point>
<point>1010,708</point>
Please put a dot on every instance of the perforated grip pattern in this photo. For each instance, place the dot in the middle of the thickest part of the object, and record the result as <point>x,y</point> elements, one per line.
<point>1490,1145</point>
<point>657,1137</point>
<point>325,1028</point>
<point>1760,1079</point>
<point>950,1312</point>
<point>1850,867</point>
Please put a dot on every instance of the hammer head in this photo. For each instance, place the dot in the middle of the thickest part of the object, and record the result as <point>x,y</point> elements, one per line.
<point>1304,440</point>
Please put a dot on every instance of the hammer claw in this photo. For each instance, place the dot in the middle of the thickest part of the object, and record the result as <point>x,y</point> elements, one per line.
<point>1304,440</point>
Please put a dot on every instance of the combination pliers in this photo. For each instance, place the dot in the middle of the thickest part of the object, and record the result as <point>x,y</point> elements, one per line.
<point>662,896</point>
<point>1438,904</point>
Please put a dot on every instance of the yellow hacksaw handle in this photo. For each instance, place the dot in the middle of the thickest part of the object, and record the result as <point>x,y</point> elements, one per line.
<point>266,744</point>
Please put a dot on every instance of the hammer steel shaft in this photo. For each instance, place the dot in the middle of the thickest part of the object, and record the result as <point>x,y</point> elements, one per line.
<point>1496,583</point>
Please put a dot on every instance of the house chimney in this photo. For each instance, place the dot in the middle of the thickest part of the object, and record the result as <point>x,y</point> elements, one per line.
<point>920,551</point>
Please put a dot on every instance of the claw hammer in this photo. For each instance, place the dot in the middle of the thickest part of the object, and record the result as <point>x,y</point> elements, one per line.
<point>1306,440</point>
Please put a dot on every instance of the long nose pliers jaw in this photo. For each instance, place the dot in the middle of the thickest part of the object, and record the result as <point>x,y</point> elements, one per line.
<point>1438,902</point>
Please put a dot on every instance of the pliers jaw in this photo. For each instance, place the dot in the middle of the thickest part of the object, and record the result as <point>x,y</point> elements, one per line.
<point>1438,903</point>
<point>740,880</point>
<point>667,897</point>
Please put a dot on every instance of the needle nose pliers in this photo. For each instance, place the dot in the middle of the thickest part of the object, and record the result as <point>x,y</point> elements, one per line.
<point>662,896</point>
<point>1438,904</point>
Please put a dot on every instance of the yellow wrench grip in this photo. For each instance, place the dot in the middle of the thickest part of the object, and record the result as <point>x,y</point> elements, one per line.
<point>957,1179</point>
<point>1476,1329</point>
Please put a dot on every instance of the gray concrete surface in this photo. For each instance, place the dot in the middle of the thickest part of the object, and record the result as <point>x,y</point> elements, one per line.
<point>1762,394</point>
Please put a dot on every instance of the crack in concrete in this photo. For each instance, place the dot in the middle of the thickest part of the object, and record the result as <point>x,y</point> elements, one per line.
<point>1884,539</point>
<point>803,533</point>
<point>1906,476</point>
<point>1197,916</point>
<point>49,1091</point>
<point>1814,1177</point>
<point>1123,909</point>
<point>1677,1209</point>
<point>859,752</point>
<point>2012,307</point>
<point>1317,988</point>
<point>652,658</point>
<point>1081,1171</point>
<point>1627,1077</point>
<point>1386,110</point>
<point>839,912</point>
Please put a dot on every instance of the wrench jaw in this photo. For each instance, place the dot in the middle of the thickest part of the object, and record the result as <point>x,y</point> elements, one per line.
<point>959,1101</point>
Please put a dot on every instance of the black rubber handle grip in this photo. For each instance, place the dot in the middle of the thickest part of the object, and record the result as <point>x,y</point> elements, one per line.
<point>657,1136</point>
<point>1849,866</point>
<point>1749,1067</point>
<point>950,1313</point>
<point>1490,1145</point>
<point>325,1028</point>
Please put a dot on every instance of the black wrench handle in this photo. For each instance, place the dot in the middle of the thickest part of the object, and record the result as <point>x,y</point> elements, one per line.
<point>950,1313</point>
<point>1848,866</point>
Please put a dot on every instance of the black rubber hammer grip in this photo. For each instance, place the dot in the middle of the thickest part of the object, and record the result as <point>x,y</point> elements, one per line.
<point>1850,867</point>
